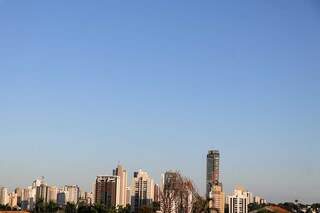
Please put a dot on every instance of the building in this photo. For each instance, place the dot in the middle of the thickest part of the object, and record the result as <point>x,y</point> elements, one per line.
<point>142,189</point>
<point>13,200</point>
<point>89,198</point>
<point>27,198</point>
<point>4,197</point>
<point>24,197</point>
<point>62,198</point>
<point>250,197</point>
<point>73,193</point>
<point>93,190</point>
<point>19,192</point>
<point>42,192</point>
<point>122,174</point>
<point>33,191</point>
<point>259,200</point>
<point>46,193</point>
<point>52,194</point>
<point>214,187</point>
<point>156,192</point>
<point>239,201</point>
<point>107,191</point>
<point>213,165</point>
<point>128,192</point>
<point>217,198</point>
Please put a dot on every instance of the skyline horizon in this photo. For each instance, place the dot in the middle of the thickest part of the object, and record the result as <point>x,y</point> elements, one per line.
<point>157,84</point>
<point>157,180</point>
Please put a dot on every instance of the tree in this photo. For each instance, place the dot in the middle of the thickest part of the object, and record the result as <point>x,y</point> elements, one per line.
<point>201,205</point>
<point>126,209</point>
<point>70,208</point>
<point>52,207</point>
<point>179,194</point>
<point>145,209</point>
<point>40,206</point>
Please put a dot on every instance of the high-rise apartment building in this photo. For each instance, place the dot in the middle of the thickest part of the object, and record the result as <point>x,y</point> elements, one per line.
<point>72,195</point>
<point>42,192</point>
<point>128,192</point>
<point>250,197</point>
<point>107,190</point>
<point>122,174</point>
<point>142,189</point>
<point>19,192</point>
<point>93,190</point>
<point>239,201</point>
<point>156,192</point>
<point>217,198</point>
<point>213,168</point>
<point>13,200</point>
<point>62,198</point>
<point>4,197</point>
<point>52,194</point>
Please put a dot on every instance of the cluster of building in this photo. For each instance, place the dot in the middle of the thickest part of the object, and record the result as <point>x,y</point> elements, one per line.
<point>26,198</point>
<point>114,190</point>
<point>238,202</point>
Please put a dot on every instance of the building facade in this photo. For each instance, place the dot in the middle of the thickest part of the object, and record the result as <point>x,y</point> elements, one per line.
<point>239,201</point>
<point>213,169</point>
<point>217,198</point>
<point>142,190</point>
<point>4,197</point>
<point>122,174</point>
<point>73,193</point>
<point>107,191</point>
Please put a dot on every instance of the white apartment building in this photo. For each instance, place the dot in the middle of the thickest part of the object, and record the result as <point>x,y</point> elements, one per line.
<point>239,201</point>
<point>4,197</point>
<point>122,174</point>
<point>142,190</point>
<point>72,195</point>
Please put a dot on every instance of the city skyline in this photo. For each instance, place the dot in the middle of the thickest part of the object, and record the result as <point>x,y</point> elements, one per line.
<point>173,192</point>
<point>155,85</point>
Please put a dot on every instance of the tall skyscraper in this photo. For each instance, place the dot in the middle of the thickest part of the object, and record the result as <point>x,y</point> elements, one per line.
<point>122,174</point>
<point>107,190</point>
<point>238,202</point>
<point>213,168</point>
<point>142,189</point>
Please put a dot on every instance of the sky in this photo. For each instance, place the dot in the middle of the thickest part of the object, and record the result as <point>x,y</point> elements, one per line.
<point>154,85</point>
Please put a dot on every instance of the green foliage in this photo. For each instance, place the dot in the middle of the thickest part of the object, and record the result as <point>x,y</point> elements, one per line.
<point>145,209</point>
<point>155,206</point>
<point>264,211</point>
<point>201,205</point>
<point>126,209</point>
<point>40,206</point>
<point>70,208</point>
<point>255,206</point>
<point>5,207</point>
<point>52,207</point>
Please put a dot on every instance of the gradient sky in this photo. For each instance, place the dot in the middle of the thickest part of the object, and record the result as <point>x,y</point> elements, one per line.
<point>155,84</point>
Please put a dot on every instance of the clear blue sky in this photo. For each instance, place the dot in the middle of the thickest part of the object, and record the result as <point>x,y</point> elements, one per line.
<point>155,84</point>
